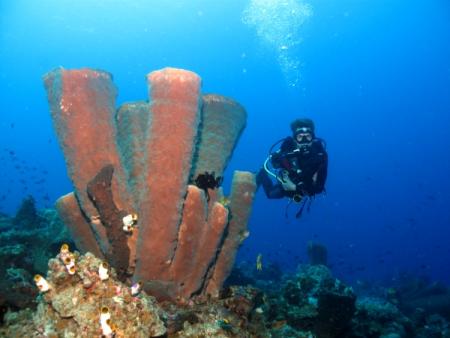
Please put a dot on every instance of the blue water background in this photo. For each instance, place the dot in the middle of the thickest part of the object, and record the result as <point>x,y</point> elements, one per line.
<point>375,77</point>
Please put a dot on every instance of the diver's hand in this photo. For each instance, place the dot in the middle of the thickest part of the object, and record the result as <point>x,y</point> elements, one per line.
<point>289,186</point>
<point>286,182</point>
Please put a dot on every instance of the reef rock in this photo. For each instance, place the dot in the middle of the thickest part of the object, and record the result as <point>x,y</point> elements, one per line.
<point>313,301</point>
<point>73,308</point>
<point>76,295</point>
<point>433,326</point>
<point>376,317</point>
<point>27,242</point>
<point>236,313</point>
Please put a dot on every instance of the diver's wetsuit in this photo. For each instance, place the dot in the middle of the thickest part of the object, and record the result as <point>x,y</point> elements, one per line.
<point>301,162</point>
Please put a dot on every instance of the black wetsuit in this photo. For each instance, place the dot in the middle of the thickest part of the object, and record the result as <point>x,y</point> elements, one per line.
<point>301,162</point>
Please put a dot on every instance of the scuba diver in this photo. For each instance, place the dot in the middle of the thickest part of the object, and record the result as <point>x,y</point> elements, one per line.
<point>299,166</point>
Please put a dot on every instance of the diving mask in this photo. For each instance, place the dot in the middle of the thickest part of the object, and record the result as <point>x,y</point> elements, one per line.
<point>303,135</point>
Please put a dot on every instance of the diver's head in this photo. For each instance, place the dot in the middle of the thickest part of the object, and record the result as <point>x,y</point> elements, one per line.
<point>303,135</point>
<point>303,130</point>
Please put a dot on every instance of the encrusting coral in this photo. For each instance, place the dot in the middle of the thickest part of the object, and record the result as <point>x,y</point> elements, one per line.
<point>76,305</point>
<point>88,300</point>
<point>143,159</point>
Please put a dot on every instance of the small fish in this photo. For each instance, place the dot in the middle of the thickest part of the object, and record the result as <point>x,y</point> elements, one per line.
<point>243,236</point>
<point>259,262</point>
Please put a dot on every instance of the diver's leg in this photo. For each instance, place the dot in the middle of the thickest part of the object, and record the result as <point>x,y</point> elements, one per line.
<point>271,190</point>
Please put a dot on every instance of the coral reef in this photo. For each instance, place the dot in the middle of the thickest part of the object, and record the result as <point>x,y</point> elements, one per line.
<point>313,302</point>
<point>376,317</point>
<point>234,314</point>
<point>82,303</point>
<point>379,317</point>
<point>25,250</point>
<point>74,304</point>
<point>143,159</point>
<point>412,292</point>
<point>432,326</point>
<point>81,296</point>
